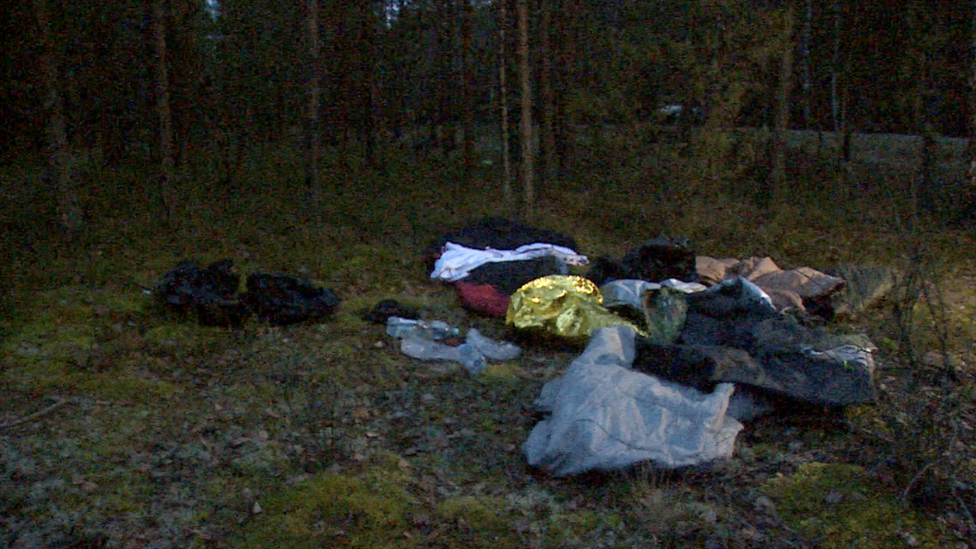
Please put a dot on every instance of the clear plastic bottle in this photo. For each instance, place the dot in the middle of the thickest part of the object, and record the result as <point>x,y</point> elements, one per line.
<point>426,349</point>
<point>407,327</point>
<point>494,350</point>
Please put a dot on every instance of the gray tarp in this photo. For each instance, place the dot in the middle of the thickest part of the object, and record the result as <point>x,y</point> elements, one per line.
<point>604,415</point>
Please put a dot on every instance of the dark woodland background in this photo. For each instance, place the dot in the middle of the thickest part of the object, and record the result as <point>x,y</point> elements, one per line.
<point>194,88</point>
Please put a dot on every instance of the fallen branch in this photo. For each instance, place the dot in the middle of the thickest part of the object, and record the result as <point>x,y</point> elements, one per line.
<point>918,476</point>
<point>35,415</point>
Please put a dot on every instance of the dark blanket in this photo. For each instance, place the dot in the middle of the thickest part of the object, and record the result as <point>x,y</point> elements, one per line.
<point>730,334</point>
<point>655,260</point>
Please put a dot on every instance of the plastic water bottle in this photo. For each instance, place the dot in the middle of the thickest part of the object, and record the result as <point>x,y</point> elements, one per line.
<point>407,327</point>
<point>495,350</point>
<point>426,349</point>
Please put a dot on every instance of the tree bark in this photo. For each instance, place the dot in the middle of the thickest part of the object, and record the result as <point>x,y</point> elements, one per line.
<point>467,88</point>
<point>313,133</point>
<point>503,103</point>
<point>972,102</point>
<point>69,212</point>
<point>164,115</point>
<point>782,124</point>
<point>563,54</point>
<point>835,67</point>
<point>805,55</point>
<point>367,83</point>
<point>527,153</point>
<point>548,142</point>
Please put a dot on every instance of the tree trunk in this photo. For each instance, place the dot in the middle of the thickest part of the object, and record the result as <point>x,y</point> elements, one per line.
<point>782,124</point>
<point>366,71</point>
<point>167,163</point>
<point>527,158</point>
<point>313,133</point>
<point>835,67</point>
<point>467,88</point>
<point>805,54</point>
<point>972,102</point>
<point>563,52</point>
<point>550,169</point>
<point>503,102</point>
<point>69,213</point>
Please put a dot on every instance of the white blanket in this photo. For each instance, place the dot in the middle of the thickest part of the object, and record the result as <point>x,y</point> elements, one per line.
<point>456,261</point>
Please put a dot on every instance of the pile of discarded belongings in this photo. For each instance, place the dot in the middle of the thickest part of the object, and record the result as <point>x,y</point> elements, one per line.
<point>680,349</point>
<point>210,295</point>
<point>437,340</point>
<point>492,257</point>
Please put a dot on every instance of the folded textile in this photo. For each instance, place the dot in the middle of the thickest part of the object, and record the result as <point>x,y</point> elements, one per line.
<point>456,261</point>
<point>789,289</point>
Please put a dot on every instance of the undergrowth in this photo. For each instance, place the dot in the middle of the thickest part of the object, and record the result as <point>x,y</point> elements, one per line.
<point>335,439</point>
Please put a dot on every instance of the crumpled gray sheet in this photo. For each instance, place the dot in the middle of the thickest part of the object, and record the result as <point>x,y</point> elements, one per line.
<point>629,292</point>
<point>604,415</point>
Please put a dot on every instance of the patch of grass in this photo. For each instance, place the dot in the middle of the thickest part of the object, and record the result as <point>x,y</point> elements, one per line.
<point>370,509</point>
<point>58,345</point>
<point>476,521</point>
<point>838,505</point>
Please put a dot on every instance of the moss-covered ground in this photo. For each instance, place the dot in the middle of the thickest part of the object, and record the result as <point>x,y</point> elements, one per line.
<point>122,426</point>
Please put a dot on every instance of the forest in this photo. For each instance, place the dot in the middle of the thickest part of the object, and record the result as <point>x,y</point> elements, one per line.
<point>194,88</point>
<point>333,141</point>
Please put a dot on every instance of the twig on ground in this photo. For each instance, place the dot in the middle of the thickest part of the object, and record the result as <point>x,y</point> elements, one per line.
<point>60,402</point>
<point>965,509</point>
<point>918,476</point>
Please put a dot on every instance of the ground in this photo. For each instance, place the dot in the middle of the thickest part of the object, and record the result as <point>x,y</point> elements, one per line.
<point>121,426</point>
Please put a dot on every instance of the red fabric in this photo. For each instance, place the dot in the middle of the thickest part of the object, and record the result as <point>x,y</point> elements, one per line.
<point>483,298</point>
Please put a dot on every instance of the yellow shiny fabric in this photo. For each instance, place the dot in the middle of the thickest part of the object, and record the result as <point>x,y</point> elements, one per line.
<point>567,306</point>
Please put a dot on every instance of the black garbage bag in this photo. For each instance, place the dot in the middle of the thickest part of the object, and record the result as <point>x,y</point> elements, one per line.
<point>207,293</point>
<point>283,300</point>
<point>386,308</point>
<point>655,260</point>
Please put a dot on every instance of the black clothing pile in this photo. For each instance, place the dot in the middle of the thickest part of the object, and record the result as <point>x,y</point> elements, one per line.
<point>655,260</point>
<point>210,294</point>
<point>730,333</point>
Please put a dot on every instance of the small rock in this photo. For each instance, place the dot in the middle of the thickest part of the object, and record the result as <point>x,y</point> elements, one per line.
<point>764,504</point>
<point>256,508</point>
<point>298,479</point>
<point>749,533</point>
<point>715,542</point>
<point>709,515</point>
<point>834,497</point>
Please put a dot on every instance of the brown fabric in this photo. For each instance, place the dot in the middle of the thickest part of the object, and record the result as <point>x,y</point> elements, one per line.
<point>787,289</point>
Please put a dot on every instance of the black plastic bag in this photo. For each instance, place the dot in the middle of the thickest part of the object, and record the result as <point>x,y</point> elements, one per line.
<point>208,293</point>
<point>283,300</point>
<point>655,260</point>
